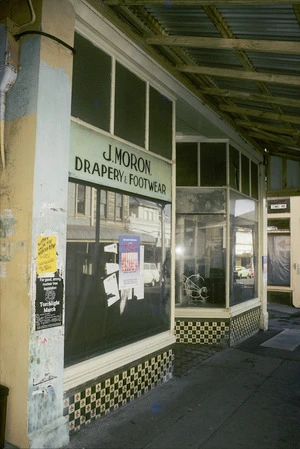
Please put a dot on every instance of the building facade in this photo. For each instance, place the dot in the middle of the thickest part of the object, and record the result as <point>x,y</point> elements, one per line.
<point>283,226</point>
<point>128,209</point>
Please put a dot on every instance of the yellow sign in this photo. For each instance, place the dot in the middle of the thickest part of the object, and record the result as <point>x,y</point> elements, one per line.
<point>46,255</point>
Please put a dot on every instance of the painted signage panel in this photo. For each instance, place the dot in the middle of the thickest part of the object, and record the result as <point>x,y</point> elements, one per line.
<point>104,160</point>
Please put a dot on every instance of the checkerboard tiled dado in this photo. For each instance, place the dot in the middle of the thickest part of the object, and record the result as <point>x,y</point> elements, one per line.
<point>244,326</point>
<point>105,395</point>
<point>210,331</point>
<point>202,331</point>
<point>115,390</point>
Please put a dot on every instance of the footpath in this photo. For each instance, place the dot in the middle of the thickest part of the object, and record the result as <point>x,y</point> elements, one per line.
<point>245,397</point>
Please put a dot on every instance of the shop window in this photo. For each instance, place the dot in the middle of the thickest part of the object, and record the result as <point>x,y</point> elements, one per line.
<point>130,106</point>
<point>213,164</point>
<point>234,168</point>
<point>293,174</point>
<point>243,248</point>
<point>275,173</point>
<point>279,252</point>
<point>283,175</point>
<point>200,260</point>
<point>187,164</point>
<point>160,124</point>
<point>245,175</point>
<point>254,180</point>
<point>117,278</point>
<point>200,247</point>
<point>91,84</point>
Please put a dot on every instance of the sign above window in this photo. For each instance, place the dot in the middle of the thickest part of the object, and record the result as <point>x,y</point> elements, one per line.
<point>104,160</point>
<point>279,206</point>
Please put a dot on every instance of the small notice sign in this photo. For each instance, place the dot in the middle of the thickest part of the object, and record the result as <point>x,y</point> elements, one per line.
<point>46,255</point>
<point>48,303</point>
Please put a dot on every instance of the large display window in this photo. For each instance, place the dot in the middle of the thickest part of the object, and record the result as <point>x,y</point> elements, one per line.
<point>244,247</point>
<point>216,225</point>
<point>200,248</point>
<point>118,273</point>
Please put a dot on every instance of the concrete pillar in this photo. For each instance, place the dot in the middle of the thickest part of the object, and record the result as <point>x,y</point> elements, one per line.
<point>33,218</point>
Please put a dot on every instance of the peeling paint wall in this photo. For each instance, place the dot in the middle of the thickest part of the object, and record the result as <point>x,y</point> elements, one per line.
<point>33,205</point>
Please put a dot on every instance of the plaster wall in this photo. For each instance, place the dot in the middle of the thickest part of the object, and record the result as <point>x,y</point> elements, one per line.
<point>33,204</point>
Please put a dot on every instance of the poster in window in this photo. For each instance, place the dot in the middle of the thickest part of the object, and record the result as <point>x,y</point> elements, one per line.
<point>129,261</point>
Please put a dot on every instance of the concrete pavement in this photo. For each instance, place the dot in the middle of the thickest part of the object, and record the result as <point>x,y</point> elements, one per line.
<point>245,397</point>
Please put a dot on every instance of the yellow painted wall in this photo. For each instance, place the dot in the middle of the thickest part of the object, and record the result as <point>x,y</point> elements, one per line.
<point>16,201</point>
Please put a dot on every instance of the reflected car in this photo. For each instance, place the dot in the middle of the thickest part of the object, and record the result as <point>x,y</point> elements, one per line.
<point>241,272</point>
<point>151,274</point>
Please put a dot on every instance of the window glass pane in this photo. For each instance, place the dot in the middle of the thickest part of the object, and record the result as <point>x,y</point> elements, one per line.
<point>200,260</point>
<point>279,259</point>
<point>103,203</point>
<point>160,124</point>
<point>119,206</point>
<point>244,247</point>
<point>280,224</point>
<point>245,175</point>
<point>130,106</point>
<point>293,174</point>
<point>275,173</point>
<point>105,309</point>
<point>201,200</point>
<point>213,164</point>
<point>254,180</point>
<point>234,168</point>
<point>80,199</point>
<point>187,164</point>
<point>91,85</point>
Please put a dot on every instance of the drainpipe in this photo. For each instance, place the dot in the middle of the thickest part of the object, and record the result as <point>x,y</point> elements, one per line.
<point>9,50</point>
<point>8,75</point>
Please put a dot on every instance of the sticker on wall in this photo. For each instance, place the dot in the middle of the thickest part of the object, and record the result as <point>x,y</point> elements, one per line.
<point>48,303</point>
<point>46,255</point>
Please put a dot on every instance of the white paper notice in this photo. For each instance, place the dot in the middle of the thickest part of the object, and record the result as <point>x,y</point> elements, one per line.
<point>111,289</point>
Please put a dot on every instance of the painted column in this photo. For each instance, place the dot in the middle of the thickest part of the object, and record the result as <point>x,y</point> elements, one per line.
<point>34,207</point>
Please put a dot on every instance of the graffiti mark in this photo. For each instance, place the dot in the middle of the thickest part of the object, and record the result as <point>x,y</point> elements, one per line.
<point>7,222</point>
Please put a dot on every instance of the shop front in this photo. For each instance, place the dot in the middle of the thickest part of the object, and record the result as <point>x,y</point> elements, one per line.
<point>116,245</point>
<point>217,249</point>
<point>118,327</point>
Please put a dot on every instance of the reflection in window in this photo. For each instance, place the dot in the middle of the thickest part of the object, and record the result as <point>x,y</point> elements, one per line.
<point>279,252</point>
<point>99,315</point>
<point>243,241</point>
<point>103,203</point>
<point>80,199</point>
<point>200,260</point>
<point>119,206</point>
<point>279,259</point>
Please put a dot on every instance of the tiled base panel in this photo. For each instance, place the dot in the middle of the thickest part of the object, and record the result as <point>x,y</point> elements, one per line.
<point>104,395</point>
<point>215,331</point>
<point>244,326</point>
